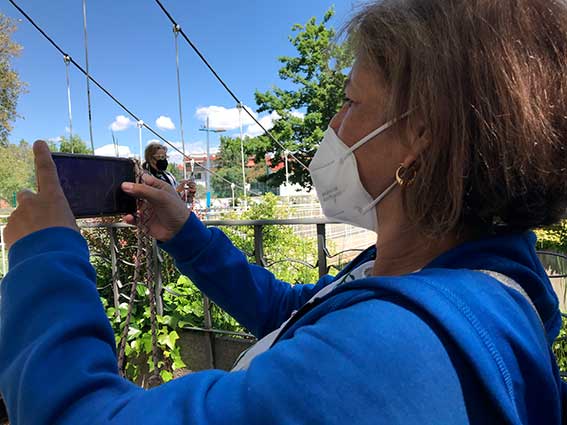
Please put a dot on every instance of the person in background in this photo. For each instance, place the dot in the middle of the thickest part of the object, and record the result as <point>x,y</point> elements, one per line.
<point>156,164</point>
<point>451,145</point>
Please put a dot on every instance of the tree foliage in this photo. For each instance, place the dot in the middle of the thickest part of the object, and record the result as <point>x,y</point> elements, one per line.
<point>17,163</point>
<point>10,85</point>
<point>230,165</point>
<point>73,144</point>
<point>317,75</point>
<point>16,169</point>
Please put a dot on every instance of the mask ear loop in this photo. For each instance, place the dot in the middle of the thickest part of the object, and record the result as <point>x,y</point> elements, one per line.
<point>380,197</point>
<point>376,132</point>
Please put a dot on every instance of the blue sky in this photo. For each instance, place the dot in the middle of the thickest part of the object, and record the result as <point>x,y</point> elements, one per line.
<point>131,52</point>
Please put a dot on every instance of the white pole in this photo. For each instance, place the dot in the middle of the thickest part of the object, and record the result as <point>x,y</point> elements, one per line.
<point>232,186</point>
<point>207,180</point>
<point>140,124</point>
<point>239,106</point>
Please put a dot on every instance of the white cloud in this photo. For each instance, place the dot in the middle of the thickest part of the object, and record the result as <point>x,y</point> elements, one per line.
<point>174,156</point>
<point>67,130</point>
<point>224,118</point>
<point>165,123</point>
<point>121,123</point>
<point>193,148</point>
<point>298,114</point>
<point>54,139</point>
<point>266,121</point>
<point>110,150</point>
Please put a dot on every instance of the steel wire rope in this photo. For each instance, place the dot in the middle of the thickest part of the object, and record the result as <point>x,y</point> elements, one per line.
<point>221,81</point>
<point>109,94</point>
<point>67,60</point>
<point>87,69</point>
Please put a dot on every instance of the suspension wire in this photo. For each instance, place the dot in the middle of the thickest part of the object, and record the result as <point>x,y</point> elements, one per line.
<point>220,80</point>
<point>176,36</point>
<point>115,143</point>
<point>87,69</point>
<point>109,94</point>
<point>67,59</point>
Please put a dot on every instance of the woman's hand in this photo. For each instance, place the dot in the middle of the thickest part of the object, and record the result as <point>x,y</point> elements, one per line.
<point>187,189</point>
<point>186,185</point>
<point>163,213</point>
<point>46,208</point>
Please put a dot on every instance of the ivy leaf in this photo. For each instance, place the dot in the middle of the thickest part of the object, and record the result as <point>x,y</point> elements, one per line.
<point>166,375</point>
<point>133,333</point>
<point>169,339</point>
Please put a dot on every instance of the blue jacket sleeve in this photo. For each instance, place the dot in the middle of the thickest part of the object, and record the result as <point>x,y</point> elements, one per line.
<point>58,364</point>
<point>249,293</point>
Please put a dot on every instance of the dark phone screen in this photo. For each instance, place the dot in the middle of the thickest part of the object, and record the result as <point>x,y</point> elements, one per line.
<point>92,184</point>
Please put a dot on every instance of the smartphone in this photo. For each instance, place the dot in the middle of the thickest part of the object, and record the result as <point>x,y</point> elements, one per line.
<point>91,184</point>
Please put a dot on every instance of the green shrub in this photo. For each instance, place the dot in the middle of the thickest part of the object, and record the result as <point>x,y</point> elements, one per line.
<point>182,301</point>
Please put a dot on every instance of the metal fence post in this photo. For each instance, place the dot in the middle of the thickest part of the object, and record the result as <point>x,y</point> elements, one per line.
<point>157,277</point>
<point>321,250</point>
<point>209,335</point>
<point>114,269</point>
<point>259,245</point>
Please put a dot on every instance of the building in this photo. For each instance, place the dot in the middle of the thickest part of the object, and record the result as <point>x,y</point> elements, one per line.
<point>200,159</point>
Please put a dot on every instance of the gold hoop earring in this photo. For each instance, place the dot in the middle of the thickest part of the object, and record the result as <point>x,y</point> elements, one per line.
<point>401,175</point>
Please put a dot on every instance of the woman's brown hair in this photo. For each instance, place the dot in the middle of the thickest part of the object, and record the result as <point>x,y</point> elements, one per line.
<point>488,79</point>
<point>151,150</point>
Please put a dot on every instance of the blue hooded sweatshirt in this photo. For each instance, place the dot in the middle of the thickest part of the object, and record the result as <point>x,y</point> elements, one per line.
<point>445,345</point>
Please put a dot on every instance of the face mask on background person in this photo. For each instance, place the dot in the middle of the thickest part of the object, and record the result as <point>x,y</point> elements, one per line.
<point>334,173</point>
<point>162,164</point>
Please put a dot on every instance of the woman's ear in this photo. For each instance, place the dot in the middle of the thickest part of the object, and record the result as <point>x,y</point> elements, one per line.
<point>419,138</point>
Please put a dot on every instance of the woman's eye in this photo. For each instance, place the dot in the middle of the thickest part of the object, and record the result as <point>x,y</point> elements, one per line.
<point>348,101</point>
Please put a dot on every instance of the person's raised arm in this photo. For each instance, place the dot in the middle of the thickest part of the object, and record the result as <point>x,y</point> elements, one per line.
<point>251,294</point>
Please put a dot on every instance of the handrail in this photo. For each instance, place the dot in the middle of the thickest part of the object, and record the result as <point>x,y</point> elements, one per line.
<point>263,222</point>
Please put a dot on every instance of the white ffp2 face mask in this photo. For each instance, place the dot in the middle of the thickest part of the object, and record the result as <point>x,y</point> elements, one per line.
<point>334,173</point>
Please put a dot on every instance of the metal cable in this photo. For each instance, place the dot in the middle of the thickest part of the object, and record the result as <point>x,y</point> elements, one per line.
<point>67,59</point>
<point>127,110</point>
<point>176,36</point>
<point>87,69</point>
<point>220,80</point>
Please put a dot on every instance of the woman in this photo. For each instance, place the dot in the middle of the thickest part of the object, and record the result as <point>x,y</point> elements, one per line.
<point>451,145</point>
<point>156,164</point>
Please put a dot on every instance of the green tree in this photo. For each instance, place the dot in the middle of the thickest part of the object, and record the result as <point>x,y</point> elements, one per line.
<point>10,85</point>
<point>230,164</point>
<point>74,144</point>
<point>16,169</point>
<point>177,173</point>
<point>317,76</point>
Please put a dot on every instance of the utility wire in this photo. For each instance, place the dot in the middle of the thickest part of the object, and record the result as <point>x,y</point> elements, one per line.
<point>196,50</point>
<point>105,91</point>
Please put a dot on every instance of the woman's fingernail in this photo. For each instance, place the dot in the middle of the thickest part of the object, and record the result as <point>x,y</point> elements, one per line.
<point>127,186</point>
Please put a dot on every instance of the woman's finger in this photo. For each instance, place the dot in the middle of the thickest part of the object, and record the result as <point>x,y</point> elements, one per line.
<point>46,172</point>
<point>23,195</point>
<point>144,191</point>
<point>129,219</point>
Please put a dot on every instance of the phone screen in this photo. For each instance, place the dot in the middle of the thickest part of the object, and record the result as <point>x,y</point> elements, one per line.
<point>92,184</point>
